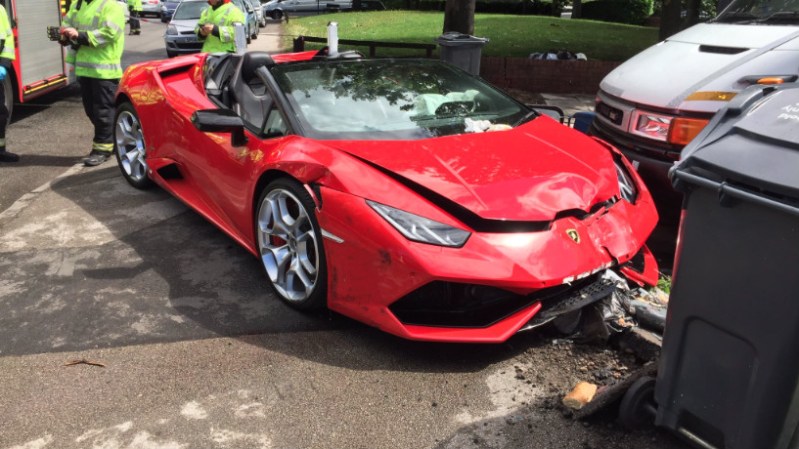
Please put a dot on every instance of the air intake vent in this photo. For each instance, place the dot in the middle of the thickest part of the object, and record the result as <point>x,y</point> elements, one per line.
<point>721,50</point>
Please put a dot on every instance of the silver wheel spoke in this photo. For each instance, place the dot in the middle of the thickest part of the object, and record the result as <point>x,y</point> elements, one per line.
<point>130,146</point>
<point>288,245</point>
<point>295,275</point>
<point>306,245</point>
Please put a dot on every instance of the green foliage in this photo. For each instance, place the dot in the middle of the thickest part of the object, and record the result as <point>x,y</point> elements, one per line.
<point>523,7</point>
<point>664,283</point>
<point>509,35</point>
<point>707,8</point>
<point>633,12</point>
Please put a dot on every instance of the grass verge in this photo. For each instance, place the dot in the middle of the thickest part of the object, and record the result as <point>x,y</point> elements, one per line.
<point>509,35</point>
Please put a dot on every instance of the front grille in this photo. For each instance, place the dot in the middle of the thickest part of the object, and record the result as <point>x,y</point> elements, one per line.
<point>448,304</point>
<point>609,112</point>
<point>189,45</point>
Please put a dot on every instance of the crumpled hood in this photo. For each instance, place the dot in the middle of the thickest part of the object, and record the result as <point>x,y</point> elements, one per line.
<point>529,173</point>
<point>699,59</point>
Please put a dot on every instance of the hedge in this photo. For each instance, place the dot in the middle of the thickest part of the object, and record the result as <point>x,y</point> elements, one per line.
<point>633,12</point>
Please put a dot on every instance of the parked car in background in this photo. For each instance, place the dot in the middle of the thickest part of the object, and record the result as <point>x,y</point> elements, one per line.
<point>252,25</point>
<point>277,9</point>
<point>655,103</point>
<point>151,7</point>
<point>180,38</point>
<point>404,193</point>
<point>167,9</point>
<point>259,12</point>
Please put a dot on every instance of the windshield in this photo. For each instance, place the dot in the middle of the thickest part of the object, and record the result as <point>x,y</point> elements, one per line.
<point>391,99</point>
<point>761,11</point>
<point>189,10</point>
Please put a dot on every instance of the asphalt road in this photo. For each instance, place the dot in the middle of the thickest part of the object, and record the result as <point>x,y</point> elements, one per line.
<point>184,345</point>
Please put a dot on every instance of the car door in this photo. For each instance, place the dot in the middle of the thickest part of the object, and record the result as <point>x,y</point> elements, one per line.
<point>231,171</point>
<point>308,5</point>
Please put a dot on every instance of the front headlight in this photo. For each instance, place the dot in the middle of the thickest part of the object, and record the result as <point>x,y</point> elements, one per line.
<point>171,30</point>
<point>627,188</point>
<point>420,229</point>
<point>652,126</point>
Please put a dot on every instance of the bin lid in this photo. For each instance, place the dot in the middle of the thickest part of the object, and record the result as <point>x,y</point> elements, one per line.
<point>454,39</point>
<point>753,142</point>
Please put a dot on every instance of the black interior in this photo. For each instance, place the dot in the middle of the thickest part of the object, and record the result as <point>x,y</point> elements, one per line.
<point>232,82</point>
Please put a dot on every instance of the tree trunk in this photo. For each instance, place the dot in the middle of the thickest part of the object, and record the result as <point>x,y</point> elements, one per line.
<point>577,9</point>
<point>670,22</point>
<point>694,8</point>
<point>459,16</point>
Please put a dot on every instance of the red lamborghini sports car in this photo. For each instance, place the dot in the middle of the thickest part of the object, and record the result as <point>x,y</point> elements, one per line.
<point>406,194</point>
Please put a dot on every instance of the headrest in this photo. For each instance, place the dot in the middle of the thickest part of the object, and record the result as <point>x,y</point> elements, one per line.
<point>252,60</point>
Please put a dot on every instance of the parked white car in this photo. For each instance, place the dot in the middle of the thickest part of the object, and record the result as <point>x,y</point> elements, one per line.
<point>652,105</point>
<point>151,7</point>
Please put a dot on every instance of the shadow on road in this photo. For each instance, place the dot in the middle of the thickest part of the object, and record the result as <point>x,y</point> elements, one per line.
<point>69,94</point>
<point>116,266</point>
<point>31,160</point>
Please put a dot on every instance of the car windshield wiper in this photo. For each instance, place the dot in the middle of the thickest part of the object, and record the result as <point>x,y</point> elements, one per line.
<point>531,114</point>
<point>781,17</point>
<point>736,17</point>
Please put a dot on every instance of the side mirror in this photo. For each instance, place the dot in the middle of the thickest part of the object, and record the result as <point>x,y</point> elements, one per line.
<point>220,121</point>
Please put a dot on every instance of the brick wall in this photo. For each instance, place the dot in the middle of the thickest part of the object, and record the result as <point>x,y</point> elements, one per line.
<point>562,76</point>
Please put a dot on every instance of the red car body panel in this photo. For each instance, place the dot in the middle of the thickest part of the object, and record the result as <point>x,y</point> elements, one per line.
<point>529,173</point>
<point>505,183</point>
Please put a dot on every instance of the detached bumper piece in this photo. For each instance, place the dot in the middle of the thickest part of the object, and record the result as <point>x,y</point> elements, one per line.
<point>594,289</point>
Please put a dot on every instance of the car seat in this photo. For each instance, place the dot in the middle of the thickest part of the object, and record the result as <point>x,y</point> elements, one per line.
<point>249,92</point>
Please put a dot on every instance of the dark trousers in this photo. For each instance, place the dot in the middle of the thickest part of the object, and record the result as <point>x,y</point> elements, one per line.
<point>134,21</point>
<point>98,102</point>
<point>3,111</point>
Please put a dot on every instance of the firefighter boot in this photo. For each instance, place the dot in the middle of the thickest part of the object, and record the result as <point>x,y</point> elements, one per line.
<point>96,158</point>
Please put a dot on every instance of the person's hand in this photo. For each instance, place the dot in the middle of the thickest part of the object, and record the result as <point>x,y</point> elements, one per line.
<point>207,29</point>
<point>3,73</point>
<point>69,33</point>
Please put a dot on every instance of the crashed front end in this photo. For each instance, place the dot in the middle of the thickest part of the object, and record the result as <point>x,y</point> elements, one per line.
<point>493,286</point>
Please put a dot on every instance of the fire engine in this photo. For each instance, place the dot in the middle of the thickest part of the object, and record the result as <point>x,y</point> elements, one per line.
<point>40,66</point>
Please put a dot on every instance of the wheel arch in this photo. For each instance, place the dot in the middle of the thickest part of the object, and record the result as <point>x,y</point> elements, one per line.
<point>122,98</point>
<point>317,299</point>
<point>274,174</point>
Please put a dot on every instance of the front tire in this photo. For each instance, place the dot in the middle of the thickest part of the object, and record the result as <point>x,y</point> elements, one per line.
<point>276,14</point>
<point>129,147</point>
<point>290,245</point>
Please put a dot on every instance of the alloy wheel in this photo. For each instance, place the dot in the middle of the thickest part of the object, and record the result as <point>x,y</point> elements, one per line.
<point>130,146</point>
<point>288,245</point>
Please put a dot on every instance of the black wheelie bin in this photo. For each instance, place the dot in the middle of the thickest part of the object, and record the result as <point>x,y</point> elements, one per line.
<point>728,376</point>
